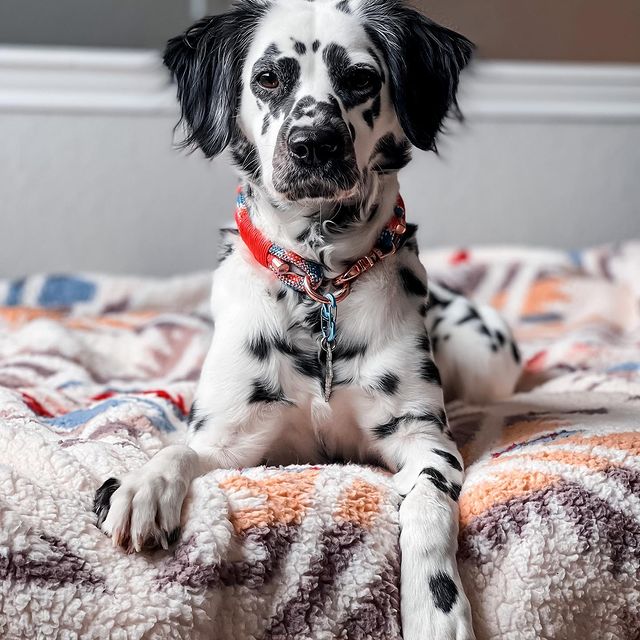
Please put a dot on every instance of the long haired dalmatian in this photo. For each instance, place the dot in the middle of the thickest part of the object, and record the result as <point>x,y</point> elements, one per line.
<point>327,346</point>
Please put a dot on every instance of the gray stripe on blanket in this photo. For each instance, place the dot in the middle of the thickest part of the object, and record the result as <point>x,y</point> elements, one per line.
<point>299,615</point>
<point>378,612</point>
<point>594,519</point>
<point>275,541</point>
<point>59,567</point>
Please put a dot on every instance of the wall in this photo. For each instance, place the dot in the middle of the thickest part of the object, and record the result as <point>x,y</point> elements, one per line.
<point>89,178</point>
<point>563,30</point>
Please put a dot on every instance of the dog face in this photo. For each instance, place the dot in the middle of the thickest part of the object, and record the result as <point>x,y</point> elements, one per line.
<point>315,97</point>
<point>315,100</point>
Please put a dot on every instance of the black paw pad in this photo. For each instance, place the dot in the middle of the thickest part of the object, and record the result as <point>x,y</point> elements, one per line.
<point>102,499</point>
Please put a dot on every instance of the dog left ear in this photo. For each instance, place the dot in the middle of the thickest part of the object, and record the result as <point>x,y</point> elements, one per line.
<point>425,61</point>
<point>206,63</point>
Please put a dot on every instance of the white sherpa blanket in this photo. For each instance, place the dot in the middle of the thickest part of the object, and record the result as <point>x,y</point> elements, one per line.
<point>97,373</point>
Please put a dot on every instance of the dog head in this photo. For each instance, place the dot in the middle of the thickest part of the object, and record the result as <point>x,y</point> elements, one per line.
<point>313,97</point>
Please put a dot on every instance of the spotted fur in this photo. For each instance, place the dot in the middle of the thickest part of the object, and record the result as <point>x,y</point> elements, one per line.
<point>320,103</point>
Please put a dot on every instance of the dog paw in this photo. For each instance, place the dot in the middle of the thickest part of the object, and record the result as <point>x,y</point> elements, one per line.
<point>142,511</point>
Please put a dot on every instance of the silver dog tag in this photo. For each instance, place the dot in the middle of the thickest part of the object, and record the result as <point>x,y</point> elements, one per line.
<point>328,370</point>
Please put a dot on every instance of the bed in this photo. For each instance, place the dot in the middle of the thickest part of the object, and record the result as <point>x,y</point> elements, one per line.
<point>97,373</point>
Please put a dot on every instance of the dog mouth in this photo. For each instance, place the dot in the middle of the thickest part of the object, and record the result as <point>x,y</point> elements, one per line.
<point>334,181</point>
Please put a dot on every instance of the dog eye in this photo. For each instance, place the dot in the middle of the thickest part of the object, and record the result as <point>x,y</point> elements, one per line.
<point>362,79</point>
<point>268,80</point>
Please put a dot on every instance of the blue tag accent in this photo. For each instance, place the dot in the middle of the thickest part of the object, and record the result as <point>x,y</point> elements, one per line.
<point>328,313</point>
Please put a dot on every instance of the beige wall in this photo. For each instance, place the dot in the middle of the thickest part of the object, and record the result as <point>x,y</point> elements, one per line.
<point>579,30</point>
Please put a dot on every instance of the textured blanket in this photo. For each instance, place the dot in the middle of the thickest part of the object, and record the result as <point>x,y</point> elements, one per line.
<point>98,373</point>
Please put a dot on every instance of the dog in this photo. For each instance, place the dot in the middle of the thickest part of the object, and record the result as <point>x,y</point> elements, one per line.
<point>327,344</point>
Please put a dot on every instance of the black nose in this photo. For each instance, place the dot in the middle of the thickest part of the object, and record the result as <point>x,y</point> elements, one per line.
<point>313,147</point>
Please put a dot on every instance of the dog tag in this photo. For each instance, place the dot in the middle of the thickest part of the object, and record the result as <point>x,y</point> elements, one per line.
<point>328,317</point>
<point>328,371</point>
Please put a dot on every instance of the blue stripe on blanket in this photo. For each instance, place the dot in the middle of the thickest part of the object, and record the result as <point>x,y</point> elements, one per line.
<point>14,297</point>
<point>64,291</point>
<point>79,417</point>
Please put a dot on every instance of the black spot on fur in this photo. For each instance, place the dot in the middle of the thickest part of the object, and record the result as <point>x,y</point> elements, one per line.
<point>424,343</point>
<point>515,352</point>
<point>484,330</point>
<point>266,121</point>
<point>245,156</point>
<point>443,590</point>
<point>198,424</point>
<point>388,428</point>
<point>315,46</point>
<point>437,479</point>
<point>411,283</point>
<point>347,350</point>
<point>390,155</point>
<point>343,6</point>
<point>281,99</point>
<point>388,383</point>
<point>102,499</point>
<point>449,457</point>
<point>454,491</point>
<point>261,391</point>
<point>299,47</point>
<point>500,338</point>
<point>193,421</point>
<point>305,363</point>
<point>192,413</point>
<point>259,347</point>
<point>271,51</point>
<point>282,294</point>
<point>338,64</point>
<point>472,314</point>
<point>429,372</point>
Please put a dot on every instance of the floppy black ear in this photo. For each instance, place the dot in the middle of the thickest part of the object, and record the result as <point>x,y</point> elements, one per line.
<point>206,63</point>
<point>425,61</point>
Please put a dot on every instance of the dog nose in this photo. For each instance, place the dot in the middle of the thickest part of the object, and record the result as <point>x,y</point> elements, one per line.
<point>313,147</point>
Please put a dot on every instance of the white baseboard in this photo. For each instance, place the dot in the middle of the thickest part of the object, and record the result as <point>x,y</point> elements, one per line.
<point>107,81</point>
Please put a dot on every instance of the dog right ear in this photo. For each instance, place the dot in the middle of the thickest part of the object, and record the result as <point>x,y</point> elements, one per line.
<point>206,63</point>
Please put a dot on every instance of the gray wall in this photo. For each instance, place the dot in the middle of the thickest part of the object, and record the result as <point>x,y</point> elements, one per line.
<point>109,193</point>
<point>99,23</point>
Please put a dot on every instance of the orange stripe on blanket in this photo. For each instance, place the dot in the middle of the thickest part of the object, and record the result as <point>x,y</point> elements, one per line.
<point>359,503</point>
<point>500,488</point>
<point>574,458</point>
<point>541,295</point>
<point>286,498</point>
<point>17,316</point>
<point>626,440</point>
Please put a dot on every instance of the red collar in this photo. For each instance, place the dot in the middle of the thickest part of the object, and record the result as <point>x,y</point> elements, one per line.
<point>280,261</point>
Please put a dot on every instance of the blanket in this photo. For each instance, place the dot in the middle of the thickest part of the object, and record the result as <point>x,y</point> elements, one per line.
<point>98,373</point>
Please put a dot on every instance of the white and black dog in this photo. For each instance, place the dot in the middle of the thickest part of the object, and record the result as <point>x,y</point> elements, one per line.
<point>320,102</point>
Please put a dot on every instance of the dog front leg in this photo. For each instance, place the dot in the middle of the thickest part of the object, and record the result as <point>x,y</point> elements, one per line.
<point>232,423</point>
<point>143,510</point>
<point>429,477</point>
